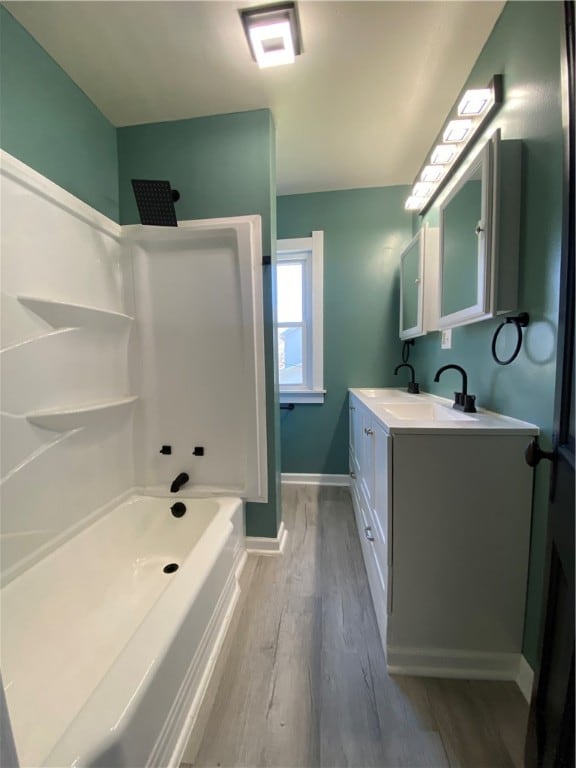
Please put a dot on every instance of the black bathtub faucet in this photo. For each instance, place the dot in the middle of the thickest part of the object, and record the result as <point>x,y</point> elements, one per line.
<point>413,386</point>
<point>178,482</point>
<point>462,400</point>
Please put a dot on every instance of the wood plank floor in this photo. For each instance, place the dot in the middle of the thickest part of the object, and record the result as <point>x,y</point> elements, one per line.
<point>305,682</point>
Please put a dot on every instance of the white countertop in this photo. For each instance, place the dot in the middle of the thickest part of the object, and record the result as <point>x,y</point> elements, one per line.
<point>402,413</point>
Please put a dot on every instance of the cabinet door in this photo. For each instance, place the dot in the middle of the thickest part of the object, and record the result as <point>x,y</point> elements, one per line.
<point>419,284</point>
<point>355,445</point>
<point>382,497</point>
<point>352,438</point>
<point>366,458</point>
<point>382,507</point>
<point>411,305</point>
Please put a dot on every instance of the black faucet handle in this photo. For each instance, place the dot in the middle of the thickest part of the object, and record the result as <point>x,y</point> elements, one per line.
<point>464,402</point>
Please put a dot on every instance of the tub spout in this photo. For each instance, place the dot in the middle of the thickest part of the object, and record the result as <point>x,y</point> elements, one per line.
<point>178,482</point>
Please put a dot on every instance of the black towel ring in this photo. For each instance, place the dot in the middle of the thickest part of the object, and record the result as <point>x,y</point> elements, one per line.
<point>520,321</point>
<point>406,350</point>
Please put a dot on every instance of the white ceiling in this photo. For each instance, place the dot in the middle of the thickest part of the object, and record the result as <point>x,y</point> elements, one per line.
<point>359,108</point>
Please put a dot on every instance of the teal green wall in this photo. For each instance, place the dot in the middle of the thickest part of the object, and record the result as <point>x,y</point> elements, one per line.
<point>47,122</point>
<point>222,165</point>
<point>524,47</point>
<point>365,231</point>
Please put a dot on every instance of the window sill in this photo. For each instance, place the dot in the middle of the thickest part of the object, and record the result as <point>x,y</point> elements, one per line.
<point>303,397</point>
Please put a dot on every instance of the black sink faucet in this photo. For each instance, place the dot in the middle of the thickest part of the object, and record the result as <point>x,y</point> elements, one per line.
<point>462,400</point>
<point>178,482</point>
<point>413,387</point>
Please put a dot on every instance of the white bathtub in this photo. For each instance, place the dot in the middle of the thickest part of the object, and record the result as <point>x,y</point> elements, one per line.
<point>104,656</point>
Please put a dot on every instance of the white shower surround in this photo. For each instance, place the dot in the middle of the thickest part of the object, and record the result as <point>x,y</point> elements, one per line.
<point>84,412</point>
<point>198,307</point>
<point>53,483</point>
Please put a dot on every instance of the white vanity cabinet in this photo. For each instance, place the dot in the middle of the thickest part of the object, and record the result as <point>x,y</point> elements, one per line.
<point>443,515</point>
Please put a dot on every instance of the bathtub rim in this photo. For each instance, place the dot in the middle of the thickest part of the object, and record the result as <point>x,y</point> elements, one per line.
<point>156,492</point>
<point>115,697</point>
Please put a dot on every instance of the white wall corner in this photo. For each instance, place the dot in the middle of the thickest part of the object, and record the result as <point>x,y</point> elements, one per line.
<point>525,678</point>
<point>291,478</point>
<point>262,545</point>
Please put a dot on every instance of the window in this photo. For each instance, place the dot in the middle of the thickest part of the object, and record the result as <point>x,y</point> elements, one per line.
<point>299,319</point>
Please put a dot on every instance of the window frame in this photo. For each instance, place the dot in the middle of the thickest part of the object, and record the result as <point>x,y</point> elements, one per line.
<point>310,252</point>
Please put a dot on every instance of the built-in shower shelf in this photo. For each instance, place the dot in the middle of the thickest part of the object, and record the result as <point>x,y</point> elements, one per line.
<point>62,314</point>
<point>63,419</point>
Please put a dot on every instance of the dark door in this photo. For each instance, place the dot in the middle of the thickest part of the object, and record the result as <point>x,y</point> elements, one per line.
<point>550,740</point>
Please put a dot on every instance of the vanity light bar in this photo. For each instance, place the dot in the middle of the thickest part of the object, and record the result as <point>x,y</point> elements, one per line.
<point>457,131</point>
<point>476,102</point>
<point>471,113</point>
<point>413,203</point>
<point>423,189</point>
<point>433,173</point>
<point>443,154</point>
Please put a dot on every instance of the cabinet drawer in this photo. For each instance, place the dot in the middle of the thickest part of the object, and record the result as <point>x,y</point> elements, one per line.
<point>353,465</point>
<point>355,493</point>
<point>376,579</point>
<point>380,545</point>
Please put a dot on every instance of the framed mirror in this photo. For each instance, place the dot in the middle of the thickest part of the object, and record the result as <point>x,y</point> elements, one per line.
<point>411,290</point>
<point>466,226</point>
<point>419,284</point>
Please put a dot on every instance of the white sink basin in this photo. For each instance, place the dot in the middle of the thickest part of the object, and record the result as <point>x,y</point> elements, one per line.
<point>424,412</point>
<point>385,395</point>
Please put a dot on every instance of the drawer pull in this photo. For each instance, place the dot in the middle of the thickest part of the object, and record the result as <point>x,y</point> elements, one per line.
<point>368,431</point>
<point>368,533</point>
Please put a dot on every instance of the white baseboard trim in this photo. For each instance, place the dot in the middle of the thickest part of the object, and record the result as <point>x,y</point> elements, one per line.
<point>291,478</point>
<point>525,679</point>
<point>260,545</point>
<point>430,662</point>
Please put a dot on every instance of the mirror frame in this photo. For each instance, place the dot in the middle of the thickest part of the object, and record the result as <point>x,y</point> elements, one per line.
<point>418,329</point>
<point>485,157</point>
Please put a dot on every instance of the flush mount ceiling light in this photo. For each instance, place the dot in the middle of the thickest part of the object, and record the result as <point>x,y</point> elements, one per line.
<point>471,113</point>
<point>273,33</point>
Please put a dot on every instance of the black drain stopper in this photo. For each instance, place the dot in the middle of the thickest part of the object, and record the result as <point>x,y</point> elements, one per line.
<point>178,509</point>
